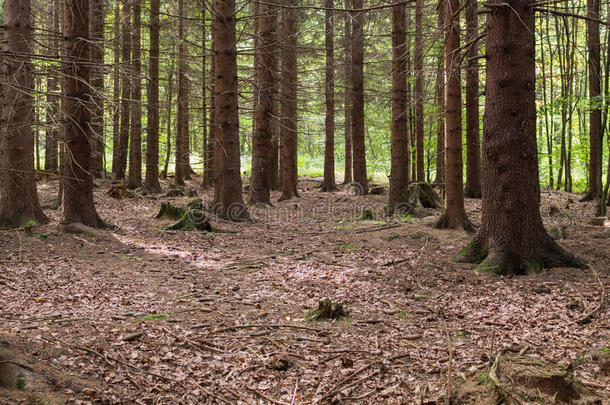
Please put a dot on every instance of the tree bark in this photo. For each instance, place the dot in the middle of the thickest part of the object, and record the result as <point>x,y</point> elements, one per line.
<point>512,238</point>
<point>18,196</point>
<point>52,128</point>
<point>78,183</point>
<point>328,184</point>
<point>121,165</point>
<point>419,90</point>
<point>228,190</point>
<point>347,176</point>
<point>151,182</point>
<point>454,216</point>
<point>262,142</point>
<point>361,186</point>
<point>134,179</point>
<point>440,102</point>
<point>170,97</point>
<point>473,148</point>
<point>289,134</point>
<point>399,175</point>
<point>182,121</point>
<point>208,173</point>
<point>97,82</point>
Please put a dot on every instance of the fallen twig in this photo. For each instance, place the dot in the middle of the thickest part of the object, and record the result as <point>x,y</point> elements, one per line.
<point>602,300</point>
<point>260,394</point>
<point>340,384</point>
<point>196,345</point>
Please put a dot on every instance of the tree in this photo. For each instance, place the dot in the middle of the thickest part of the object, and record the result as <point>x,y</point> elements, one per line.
<point>328,184</point>
<point>347,128</point>
<point>78,183</point>
<point>121,165</point>
<point>97,83</point>
<point>228,186</point>
<point>440,100</point>
<point>399,176</point>
<point>209,165</point>
<point>289,134</point>
<point>151,181</point>
<point>134,179</point>
<point>473,149</point>
<point>419,90</point>
<point>52,132</point>
<point>182,123</point>
<point>360,177</point>
<point>18,196</point>
<point>512,238</point>
<point>454,216</point>
<point>116,88</point>
<point>262,153</point>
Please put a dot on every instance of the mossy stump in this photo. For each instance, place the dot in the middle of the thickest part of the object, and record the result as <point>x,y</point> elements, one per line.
<point>422,195</point>
<point>328,309</point>
<point>190,218</point>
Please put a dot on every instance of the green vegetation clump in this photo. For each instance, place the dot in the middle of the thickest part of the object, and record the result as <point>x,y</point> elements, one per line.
<point>151,317</point>
<point>328,309</point>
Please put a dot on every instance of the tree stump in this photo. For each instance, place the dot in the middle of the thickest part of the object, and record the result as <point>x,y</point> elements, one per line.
<point>422,195</point>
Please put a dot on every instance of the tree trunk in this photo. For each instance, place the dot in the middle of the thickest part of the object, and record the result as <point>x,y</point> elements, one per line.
<point>151,182</point>
<point>116,113</point>
<point>52,127</point>
<point>440,102</point>
<point>125,90</point>
<point>182,121</point>
<point>170,95</point>
<point>18,196</point>
<point>134,179</point>
<point>454,216</point>
<point>97,83</point>
<point>595,117</point>
<point>473,148</point>
<point>399,177</point>
<point>512,238</point>
<point>262,142</point>
<point>347,176</point>
<point>419,90</point>
<point>289,134</point>
<point>329,146</point>
<point>78,183</point>
<point>208,173</point>
<point>204,89</point>
<point>228,190</point>
<point>361,185</point>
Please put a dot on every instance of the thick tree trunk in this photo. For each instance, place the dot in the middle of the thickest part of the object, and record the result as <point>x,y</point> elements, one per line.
<point>125,91</point>
<point>116,111</point>
<point>52,127</point>
<point>595,116</point>
<point>347,176</point>
<point>473,148</point>
<point>228,187</point>
<point>454,216</point>
<point>361,185</point>
<point>78,183</point>
<point>418,60</point>
<point>289,134</point>
<point>151,182</point>
<point>262,152</point>
<point>512,238</point>
<point>329,145</point>
<point>399,177</point>
<point>134,179</point>
<point>440,102</point>
<point>180,168</point>
<point>97,83</point>
<point>18,196</point>
<point>204,88</point>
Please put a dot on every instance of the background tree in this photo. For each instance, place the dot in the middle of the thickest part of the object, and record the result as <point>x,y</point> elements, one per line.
<point>134,179</point>
<point>328,184</point>
<point>439,96</point>
<point>347,96</point>
<point>121,165</point>
<point>97,29</point>
<point>359,148</point>
<point>419,90</point>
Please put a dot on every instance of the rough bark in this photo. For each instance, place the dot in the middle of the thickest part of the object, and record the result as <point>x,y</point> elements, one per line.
<point>134,178</point>
<point>289,134</point>
<point>262,142</point>
<point>361,185</point>
<point>228,187</point>
<point>121,165</point>
<point>473,148</point>
<point>399,175</point>
<point>151,182</point>
<point>116,87</point>
<point>78,183</point>
<point>182,119</point>
<point>208,173</point>
<point>512,238</point>
<point>418,61</point>
<point>97,84</point>
<point>328,184</point>
<point>170,97</point>
<point>52,127</point>
<point>440,102</point>
<point>347,128</point>
<point>18,196</point>
<point>454,216</point>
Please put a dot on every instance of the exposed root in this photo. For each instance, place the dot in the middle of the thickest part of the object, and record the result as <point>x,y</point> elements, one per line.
<point>460,223</point>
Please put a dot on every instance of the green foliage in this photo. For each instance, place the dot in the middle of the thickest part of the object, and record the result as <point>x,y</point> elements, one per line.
<point>326,310</point>
<point>21,382</point>
<point>151,317</point>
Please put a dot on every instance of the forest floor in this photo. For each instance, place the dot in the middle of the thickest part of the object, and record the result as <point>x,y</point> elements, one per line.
<point>137,314</point>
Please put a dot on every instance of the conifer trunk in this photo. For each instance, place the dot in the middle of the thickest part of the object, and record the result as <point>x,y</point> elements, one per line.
<point>97,83</point>
<point>418,60</point>
<point>121,166</point>
<point>134,179</point>
<point>361,186</point>
<point>329,145</point>
<point>347,33</point>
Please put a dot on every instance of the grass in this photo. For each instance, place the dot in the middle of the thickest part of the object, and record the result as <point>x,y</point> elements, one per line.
<point>151,317</point>
<point>348,247</point>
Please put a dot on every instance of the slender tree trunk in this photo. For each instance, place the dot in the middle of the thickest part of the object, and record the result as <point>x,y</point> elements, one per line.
<point>399,177</point>
<point>52,131</point>
<point>116,113</point>
<point>208,174</point>
<point>151,182</point>
<point>97,83</point>
<point>182,122</point>
<point>512,238</point>
<point>347,176</point>
<point>18,196</point>
<point>228,186</point>
<point>329,146</point>
<point>125,90</point>
<point>454,216</point>
<point>289,134</point>
<point>361,185</point>
<point>473,148</point>
<point>262,142</point>
<point>78,183</point>
<point>134,179</point>
<point>170,97</point>
<point>419,90</point>
<point>204,88</point>
<point>440,101</point>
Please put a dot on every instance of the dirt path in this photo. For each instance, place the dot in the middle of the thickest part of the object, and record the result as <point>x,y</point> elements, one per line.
<point>150,316</point>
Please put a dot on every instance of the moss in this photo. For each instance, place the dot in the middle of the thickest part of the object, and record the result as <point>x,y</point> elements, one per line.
<point>151,317</point>
<point>328,309</point>
<point>532,267</point>
<point>472,253</point>
<point>492,264</point>
<point>169,211</point>
<point>367,215</point>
